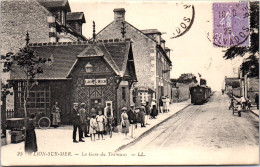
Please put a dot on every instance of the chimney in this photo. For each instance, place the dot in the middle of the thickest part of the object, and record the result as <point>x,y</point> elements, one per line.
<point>119,14</point>
<point>168,52</point>
<point>163,43</point>
<point>52,29</point>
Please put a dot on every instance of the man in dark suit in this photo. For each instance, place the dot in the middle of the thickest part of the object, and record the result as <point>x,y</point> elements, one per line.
<point>83,120</point>
<point>76,122</point>
<point>132,119</point>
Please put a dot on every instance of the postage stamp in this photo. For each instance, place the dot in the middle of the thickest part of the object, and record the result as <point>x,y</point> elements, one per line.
<point>231,24</point>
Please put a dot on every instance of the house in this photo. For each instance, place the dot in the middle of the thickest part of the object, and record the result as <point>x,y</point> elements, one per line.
<point>233,85</point>
<point>152,58</point>
<point>84,72</point>
<point>45,21</point>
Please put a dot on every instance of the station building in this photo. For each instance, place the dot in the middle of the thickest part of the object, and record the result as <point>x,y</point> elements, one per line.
<point>84,72</point>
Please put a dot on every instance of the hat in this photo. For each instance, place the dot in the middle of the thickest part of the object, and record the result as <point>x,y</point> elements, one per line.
<point>124,109</point>
<point>82,104</point>
<point>75,104</point>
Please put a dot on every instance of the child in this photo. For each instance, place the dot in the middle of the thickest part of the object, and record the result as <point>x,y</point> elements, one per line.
<point>100,124</point>
<point>93,127</point>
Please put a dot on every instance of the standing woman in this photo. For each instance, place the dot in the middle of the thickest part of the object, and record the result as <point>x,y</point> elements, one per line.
<point>124,122</point>
<point>30,138</point>
<point>164,104</point>
<point>93,127</point>
<point>56,115</point>
<point>154,112</point>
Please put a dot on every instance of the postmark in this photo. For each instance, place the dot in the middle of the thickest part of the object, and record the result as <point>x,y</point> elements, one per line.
<point>231,24</point>
<point>186,20</point>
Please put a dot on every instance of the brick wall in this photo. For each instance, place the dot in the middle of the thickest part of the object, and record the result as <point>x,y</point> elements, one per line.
<point>144,51</point>
<point>18,17</point>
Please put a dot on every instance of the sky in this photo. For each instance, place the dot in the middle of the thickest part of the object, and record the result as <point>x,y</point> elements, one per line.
<point>193,52</point>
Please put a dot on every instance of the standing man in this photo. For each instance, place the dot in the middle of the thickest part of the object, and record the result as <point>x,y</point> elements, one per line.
<point>76,122</point>
<point>83,121</point>
<point>147,113</point>
<point>132,119</point>
<point>167,101</point>
<point>88,116</point>
<point>161,104</point>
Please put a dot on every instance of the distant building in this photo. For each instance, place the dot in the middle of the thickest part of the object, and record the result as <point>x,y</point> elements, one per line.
<point>152,58</point>
<point>233,85</point>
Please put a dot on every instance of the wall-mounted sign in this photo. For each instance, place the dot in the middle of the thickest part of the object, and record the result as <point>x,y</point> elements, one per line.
<point>98,81</point>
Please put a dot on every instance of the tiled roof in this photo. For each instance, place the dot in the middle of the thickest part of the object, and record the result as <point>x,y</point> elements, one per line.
<point>54,3</point>
<point>65,54</point>
<point>76,16</point>
<point>151,31</point>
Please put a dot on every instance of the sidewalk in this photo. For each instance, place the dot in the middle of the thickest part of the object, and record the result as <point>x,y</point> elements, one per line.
<point>255,111</point>
<point>60,139</point>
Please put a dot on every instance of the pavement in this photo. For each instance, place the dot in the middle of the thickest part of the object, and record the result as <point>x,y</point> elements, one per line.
<point>207,134</point>
<point>59,140</point>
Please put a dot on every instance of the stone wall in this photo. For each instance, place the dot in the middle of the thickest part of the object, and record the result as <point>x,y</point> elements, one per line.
<point>144,51</point>
<point>18,17</point>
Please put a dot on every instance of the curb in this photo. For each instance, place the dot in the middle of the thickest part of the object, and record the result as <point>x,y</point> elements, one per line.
<point>254,113</point>
<point>149,130</point>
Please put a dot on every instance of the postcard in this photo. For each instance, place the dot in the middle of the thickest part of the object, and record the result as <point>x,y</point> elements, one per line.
<point>129,82</point>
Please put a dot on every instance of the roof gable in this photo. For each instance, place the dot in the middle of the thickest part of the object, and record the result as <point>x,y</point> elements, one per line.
<point>74,16</point>
<point>49,4</point>
<point>126,23</point>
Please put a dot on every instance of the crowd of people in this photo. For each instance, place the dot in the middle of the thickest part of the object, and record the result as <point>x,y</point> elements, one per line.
<point>100,121</point>
<point>97,121</point>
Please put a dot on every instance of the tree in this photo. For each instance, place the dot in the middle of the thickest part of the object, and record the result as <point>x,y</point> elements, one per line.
<point>187,78</point>
<point>27,65</point>
<point>253,49</point>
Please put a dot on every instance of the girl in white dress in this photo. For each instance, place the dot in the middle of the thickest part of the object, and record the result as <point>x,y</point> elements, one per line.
<point>93,127</point>
<point>100,124</point>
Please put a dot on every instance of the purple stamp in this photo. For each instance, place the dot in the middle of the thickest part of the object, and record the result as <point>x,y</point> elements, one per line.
<point>231,24</point>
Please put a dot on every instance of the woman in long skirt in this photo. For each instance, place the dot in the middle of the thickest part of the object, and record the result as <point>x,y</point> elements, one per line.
<point>56,115</point>
<point>124,122</point>
<point>154,112</point>
<point>30,138</point>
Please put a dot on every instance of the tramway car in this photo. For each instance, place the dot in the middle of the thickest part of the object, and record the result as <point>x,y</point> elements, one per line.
<point>200,94</point>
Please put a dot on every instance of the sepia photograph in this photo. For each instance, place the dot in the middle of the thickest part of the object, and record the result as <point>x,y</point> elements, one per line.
<point>120,82</point>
